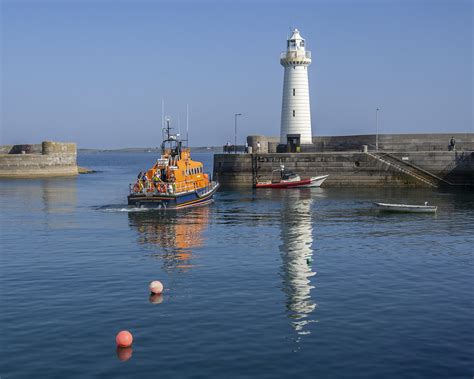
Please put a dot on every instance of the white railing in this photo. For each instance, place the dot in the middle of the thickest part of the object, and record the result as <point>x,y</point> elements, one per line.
<point>162,188</point>
<point>295,55</point>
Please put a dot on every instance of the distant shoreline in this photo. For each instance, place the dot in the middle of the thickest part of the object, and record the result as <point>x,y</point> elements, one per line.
<point>200,149</point>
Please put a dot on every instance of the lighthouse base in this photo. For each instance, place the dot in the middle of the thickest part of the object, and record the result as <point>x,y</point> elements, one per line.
<point>293,148</point>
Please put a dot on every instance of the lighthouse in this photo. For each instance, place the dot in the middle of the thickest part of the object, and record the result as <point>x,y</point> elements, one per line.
<point>295,110</point>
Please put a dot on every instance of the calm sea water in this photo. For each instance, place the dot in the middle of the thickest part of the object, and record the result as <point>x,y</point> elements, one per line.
<point>291,283</point>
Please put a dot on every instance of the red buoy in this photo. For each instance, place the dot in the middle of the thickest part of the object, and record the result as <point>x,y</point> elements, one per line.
<point>124,339</point>
<point>156,287</point>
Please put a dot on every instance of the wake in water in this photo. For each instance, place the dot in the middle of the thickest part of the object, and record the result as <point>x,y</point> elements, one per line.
<point>128,208</point>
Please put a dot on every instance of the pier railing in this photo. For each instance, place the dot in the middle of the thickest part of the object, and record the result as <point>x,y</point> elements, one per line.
<point>229,149</point>
<point>165,188</point>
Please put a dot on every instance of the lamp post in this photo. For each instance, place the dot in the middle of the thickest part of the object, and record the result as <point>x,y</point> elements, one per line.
<point>235,134</point>
<point>376,130</point>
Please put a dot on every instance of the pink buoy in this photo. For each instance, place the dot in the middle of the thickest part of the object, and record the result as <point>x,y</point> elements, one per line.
<point>124,339</point>
<point>156,287</point>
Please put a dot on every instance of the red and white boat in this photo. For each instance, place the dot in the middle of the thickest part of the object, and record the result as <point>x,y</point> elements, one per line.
<point>291,180</point>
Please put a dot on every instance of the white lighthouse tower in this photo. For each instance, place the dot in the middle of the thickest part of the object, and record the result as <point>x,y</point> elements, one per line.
<point>295,110</point>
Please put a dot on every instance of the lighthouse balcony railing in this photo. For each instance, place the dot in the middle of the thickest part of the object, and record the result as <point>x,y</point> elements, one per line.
<point>295,55</point>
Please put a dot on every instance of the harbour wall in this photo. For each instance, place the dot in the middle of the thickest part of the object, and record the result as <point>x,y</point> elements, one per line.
<point>39,160</point>
<point>400,161</point>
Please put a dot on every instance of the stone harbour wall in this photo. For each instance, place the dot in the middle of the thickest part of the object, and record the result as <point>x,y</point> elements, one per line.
<point>54,159</point>
<point>346,169</point>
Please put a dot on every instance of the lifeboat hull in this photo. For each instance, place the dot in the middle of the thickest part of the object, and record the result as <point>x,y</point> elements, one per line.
<point>180,200</point>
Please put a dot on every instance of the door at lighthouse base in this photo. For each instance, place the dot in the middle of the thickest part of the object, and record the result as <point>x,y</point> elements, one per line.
<point>293,143</point>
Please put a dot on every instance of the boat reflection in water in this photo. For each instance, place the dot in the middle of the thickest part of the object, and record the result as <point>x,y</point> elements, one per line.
<point>297,256</point>
<point>172,235</point>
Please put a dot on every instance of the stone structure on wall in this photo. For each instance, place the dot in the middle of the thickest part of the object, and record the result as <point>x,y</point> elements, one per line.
<point>45,160</point>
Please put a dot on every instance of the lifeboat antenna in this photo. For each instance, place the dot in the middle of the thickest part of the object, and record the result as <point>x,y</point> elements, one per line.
<point>187,125</point>
<point>168,128</point>
<point>179,127</point>
<point>163,119</point>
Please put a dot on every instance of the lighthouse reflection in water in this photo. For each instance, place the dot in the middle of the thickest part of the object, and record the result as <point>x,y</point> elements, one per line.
<point>297,257</point>
<point>172,235</point>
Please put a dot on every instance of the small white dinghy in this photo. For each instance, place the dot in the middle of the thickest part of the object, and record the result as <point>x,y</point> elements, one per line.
<point>407,208</point>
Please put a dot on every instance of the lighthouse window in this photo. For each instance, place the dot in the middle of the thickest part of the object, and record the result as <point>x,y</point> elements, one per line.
<point>294,113</point>
<point>294,91</point>
<point>302,44</point>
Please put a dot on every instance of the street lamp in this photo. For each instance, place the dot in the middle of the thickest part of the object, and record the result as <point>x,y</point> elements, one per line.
<point>235,134</point>
<point>376,130</point>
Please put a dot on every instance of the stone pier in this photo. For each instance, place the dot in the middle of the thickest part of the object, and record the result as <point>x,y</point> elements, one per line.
<point>399,162</point>
<point>44,160</point>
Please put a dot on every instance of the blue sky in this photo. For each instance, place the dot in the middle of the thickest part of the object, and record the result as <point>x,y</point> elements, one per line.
<point>95,72</point>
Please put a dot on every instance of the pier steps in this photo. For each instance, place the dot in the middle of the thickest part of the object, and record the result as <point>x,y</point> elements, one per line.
<point>423,176</point>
